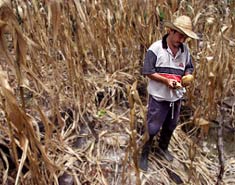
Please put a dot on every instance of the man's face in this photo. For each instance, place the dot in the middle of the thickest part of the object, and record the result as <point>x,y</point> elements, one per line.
<point>177,38</point>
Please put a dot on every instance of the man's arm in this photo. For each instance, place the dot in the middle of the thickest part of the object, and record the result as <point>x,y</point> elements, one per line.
<point>171,83</point>
<point>189,65</point>
<point>149,70</point>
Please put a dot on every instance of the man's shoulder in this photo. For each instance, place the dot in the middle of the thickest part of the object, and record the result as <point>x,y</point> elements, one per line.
<point>186,48</point>
<point>156,45</point>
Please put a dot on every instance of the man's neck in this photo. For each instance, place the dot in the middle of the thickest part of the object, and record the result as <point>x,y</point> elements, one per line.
<point>173,48</point>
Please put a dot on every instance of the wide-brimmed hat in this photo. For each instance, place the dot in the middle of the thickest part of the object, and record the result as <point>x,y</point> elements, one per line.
<point>182,24</point>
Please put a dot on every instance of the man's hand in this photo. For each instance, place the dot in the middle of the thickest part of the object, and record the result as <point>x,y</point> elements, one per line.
<point>173,84</point>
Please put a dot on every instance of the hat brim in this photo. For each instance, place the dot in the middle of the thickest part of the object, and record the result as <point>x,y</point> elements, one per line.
<point>187,32</point>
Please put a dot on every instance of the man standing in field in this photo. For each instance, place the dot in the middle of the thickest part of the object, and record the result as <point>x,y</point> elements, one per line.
<point>166,62</point>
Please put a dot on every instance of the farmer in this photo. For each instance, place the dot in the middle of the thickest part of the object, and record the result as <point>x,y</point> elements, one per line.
<point>165,63</point>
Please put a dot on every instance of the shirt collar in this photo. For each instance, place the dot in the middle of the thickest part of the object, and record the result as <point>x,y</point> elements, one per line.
<point>164,43</point>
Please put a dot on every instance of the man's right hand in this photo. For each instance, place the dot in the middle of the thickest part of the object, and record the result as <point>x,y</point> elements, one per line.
<point>173,84</point>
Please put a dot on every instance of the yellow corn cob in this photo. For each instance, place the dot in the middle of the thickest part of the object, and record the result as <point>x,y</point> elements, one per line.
<point>187,79</point>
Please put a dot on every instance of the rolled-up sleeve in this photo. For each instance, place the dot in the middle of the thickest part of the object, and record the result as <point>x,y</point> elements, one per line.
<point>149,63</point>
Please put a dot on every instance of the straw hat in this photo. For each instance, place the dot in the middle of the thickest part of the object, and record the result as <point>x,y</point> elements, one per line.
<point>182,24</point>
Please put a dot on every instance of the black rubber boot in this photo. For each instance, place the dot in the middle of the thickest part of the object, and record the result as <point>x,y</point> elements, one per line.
<point>143,163</point>
<point>165,154</point>
<point>163,145</point>
<point>165,138</point>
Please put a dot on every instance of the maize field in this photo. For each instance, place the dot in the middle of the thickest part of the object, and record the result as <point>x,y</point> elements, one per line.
<point>73,100</point>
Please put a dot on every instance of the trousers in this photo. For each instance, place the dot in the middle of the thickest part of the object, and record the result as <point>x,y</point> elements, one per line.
<point>162,115</point>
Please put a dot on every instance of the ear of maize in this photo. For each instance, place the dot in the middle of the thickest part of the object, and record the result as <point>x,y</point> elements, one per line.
<point>187,79</point>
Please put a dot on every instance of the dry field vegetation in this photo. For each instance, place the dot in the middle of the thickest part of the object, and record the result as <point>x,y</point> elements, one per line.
<point>73,101</point>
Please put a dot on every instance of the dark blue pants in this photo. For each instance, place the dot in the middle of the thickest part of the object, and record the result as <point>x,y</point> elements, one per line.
<point>162,115</point>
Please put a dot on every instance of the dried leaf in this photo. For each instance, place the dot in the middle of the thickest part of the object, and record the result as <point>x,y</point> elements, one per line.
<point>54,13</point>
